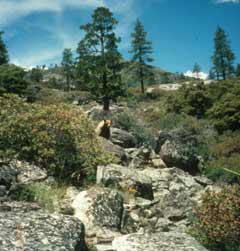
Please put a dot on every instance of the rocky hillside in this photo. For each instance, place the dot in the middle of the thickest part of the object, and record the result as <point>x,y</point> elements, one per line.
<point>143,202</point>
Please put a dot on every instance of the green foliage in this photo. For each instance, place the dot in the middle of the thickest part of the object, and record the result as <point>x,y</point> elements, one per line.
<point>191,99</point>
<point>216,222</point>
<point>225,155</point>
<point>12,79</point>
<point>223,57</point>
<point>48,196</point>
<point>141,49</point>
<point>238,70</point>
<point>127,121</point>
<point>57,137</point>
<point>3,51</point>
<point>99,61</point>
<point>225,112</point>
<point>196,69</point>
<point>36,75</point>
<point>67,64</point>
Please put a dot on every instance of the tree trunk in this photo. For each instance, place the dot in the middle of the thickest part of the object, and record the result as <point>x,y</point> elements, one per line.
<point>142,81</point>
<point>106,104</point>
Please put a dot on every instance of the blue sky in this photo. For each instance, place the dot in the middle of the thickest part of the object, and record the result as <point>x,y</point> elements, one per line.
<point>182,31</point>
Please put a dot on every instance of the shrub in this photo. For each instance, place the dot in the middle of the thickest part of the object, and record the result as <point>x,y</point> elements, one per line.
<point>217,220</point>
<point>12,79</point>
<point>57,137</point>
<point>225,154</point>
<point>225,113</point>
<point>127,121</point>
<point>191,99</point>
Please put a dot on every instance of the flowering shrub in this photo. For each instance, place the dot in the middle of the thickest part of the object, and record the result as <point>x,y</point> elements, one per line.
<point>217,219</point>
<point>57,137</point>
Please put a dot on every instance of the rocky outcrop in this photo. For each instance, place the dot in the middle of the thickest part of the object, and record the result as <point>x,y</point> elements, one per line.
<point>125,179</point>
<point>100,209</point>
<point>97,112</point>
<point>177,151</point>
<point>115,150</point>
<point>167,241</point>
<point>24,226</point>
<point>122,138</point>
<point>14,174</point>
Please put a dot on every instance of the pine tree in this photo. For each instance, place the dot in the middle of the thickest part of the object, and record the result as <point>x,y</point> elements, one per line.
<point>196,69</point>
<point>3,51</point>
<point>211,75</point>
<point>68,64</point>
<point>238,70</point>
<point>99,60</point>
<point>223,56</point>
<point>141,50</point>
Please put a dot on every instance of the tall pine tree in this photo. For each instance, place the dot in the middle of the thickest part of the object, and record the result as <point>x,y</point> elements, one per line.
<point>141,49</point>
<point>99,59</point>
<point>238,70</point>
<point>3,51</point>
<point>196,69</point>
<point>67,64</point>
<point>223,56</point>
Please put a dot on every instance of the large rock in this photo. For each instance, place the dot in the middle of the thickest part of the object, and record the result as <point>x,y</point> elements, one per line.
<point>99,209</point>
<point>176,191</point>
<point>167,241</point>
<point>117,151</point>
<point>128,180</point>
<point>122,138</point>
<point>97,112</point>
<point>177,151</point>
<point>24,227</point>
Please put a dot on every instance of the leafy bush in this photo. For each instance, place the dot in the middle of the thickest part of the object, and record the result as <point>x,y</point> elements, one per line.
<point>12,79</point>
<point>217,220</point>
<point>57,137</point>
<point>191,99</point>
<point>127,121</point>
<point>225,154</point>
<point>225,113</point>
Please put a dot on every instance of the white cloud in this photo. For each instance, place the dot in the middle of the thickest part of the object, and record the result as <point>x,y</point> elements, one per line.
<point>227,1</point>
<point>201,75</point>
<point>11,10</point>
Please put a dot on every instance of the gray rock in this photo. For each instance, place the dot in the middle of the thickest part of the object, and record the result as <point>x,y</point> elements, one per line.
<point>129,180</point>
<point>29,173</point>
<point>8,174</point>
<point>164,241</point>
<point>99,209</point>
<point>23,227</point>
<point>122,138</point>
<point>97,112</point>
<point>115,150</point>
<point>176,151</point>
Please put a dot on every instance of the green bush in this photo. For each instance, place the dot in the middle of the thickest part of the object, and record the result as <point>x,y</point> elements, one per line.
<point>57,137</point>
<point>12,79</point>
<point>225,154</point>
<point>217,220</point>
<point>127,121</point>
<point>225,113</point>
<point>191,99</point>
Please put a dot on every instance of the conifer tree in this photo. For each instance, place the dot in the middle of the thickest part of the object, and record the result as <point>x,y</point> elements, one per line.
<point>68,64</point>
<point>223,56</point>
<point>3,51</point>
<point>141,49</point>
<point>196,69</point>
<point>99,60</point>
<point>238,70</point>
